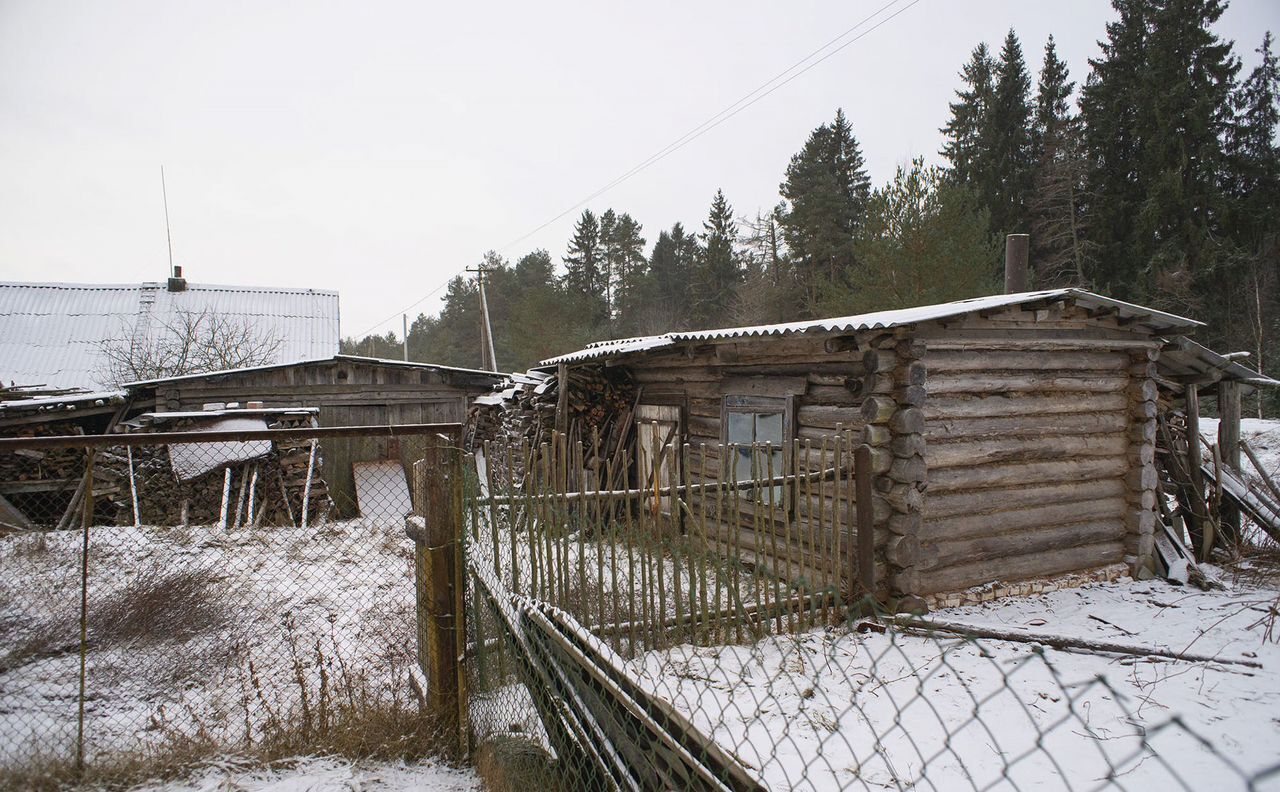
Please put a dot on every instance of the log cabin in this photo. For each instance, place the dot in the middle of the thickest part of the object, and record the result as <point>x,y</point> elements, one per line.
<point>1013,436</point>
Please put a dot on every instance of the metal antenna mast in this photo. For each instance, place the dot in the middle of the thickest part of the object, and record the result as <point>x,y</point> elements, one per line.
<point>164,193</point>
<point>488,359</point>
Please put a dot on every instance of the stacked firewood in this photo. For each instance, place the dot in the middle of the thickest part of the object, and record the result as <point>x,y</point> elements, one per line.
<point>273,485</point>
<point>34,465</point>
<point>525,409</point>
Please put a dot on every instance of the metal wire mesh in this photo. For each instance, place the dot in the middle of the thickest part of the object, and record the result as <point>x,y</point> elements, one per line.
<point>206,596</point>
<point>788,685</point>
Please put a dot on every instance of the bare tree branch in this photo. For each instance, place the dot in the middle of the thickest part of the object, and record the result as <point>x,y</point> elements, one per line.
<point>188,342</point>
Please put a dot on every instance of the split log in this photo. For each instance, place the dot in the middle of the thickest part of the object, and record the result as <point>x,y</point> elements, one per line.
<point>1063,642</point>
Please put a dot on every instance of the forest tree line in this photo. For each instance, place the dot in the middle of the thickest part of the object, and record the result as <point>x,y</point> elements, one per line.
<point>1156,181</point>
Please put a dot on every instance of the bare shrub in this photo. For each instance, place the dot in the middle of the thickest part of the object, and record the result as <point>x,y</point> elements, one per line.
<point>160,606</point>
<point>157,605</point>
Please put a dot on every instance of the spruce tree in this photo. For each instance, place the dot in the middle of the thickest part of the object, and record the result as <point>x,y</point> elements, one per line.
<point>583,277</point>
<point>667,285</point>
<point>926,240</point>
<point>1006,187</point>
<point>717,272</point>
<point>1254,219</point>
<point>1059,245</point>
<point>966,146</point>
<point>1116,107</point>
<point>826,187</point>
<point>1254,183</point>
<point>1190,77</point>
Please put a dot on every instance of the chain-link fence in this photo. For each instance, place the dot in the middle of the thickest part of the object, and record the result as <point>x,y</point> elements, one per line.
<point>786,679</point>
<point>166,597</point>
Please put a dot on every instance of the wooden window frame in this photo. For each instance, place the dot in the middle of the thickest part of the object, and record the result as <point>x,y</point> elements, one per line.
<point>756,405</point>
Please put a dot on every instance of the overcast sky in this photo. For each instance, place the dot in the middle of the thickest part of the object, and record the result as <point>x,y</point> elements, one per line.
<point>377,148</point>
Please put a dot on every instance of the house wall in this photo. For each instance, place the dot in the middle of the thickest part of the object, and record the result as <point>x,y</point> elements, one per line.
<point>1039,442</point>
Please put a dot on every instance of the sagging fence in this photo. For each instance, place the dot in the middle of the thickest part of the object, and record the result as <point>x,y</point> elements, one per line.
<point>642,624</point>
<point>213,594</point>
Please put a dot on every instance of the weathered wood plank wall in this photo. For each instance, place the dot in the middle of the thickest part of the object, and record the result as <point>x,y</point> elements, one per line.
<point>347,393</point>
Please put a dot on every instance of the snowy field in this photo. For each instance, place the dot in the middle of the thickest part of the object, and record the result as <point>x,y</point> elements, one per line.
<point>879,711</point>
<point>198,632</point>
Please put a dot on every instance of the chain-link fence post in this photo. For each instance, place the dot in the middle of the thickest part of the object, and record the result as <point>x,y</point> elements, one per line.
<point>436,528</point>
<point>86,520</point>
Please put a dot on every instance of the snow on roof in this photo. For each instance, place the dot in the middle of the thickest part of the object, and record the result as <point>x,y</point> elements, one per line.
<point>1158,321</point>
<point>51,333</point>
<point>65,401</point>
<point>1183,360</point>
<point>496,376</point>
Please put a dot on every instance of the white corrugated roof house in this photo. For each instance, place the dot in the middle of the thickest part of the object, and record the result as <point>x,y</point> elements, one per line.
<point>53,333</point>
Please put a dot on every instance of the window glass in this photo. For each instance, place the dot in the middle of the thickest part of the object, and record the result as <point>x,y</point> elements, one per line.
<point>769,428</point>
<point>740,428</point>
<point>752,430</point>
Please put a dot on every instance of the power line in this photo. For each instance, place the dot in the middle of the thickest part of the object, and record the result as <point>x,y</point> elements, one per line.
<point>747,100</point>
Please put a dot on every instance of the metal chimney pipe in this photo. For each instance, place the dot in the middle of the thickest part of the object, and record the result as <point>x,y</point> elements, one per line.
<point>1017,248</point>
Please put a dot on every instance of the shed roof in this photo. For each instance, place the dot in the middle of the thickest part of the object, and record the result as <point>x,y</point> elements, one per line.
<point>1187,363</point>
<point>1156,321</point>
<point>390,362</point>
<point>51,333</point>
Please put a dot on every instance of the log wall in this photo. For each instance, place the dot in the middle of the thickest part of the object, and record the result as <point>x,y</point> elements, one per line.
<point>851,384</point>
<point>1038,442</point>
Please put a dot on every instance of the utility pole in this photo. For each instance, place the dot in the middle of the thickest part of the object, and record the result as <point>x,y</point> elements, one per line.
<point>488,360</point>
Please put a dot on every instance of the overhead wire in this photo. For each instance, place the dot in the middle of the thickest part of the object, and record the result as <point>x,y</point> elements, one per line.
<point>747,100</point>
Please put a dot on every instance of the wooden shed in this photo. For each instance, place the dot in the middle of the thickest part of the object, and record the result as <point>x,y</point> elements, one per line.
<point>1013,435</point>
<point>347,391</point>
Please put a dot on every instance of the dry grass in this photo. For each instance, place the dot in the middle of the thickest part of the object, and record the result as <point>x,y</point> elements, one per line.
<point>515,763</point>
<point>329,708</point>
<point>157,606</point>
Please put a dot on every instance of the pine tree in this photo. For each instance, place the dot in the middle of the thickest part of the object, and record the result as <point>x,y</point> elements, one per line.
<point>966,146</point>
<point>827,187</point>
<point>717,271</point>
<point>583,276</point>
<point>926,240</point>
<point>1060,248</point>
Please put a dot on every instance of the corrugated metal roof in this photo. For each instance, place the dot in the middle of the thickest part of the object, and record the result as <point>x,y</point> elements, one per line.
<point>1184,361</point>
<point>51,333</point>
<point>413,364</point>
<point>1158,321</point>
<point>63,402</point>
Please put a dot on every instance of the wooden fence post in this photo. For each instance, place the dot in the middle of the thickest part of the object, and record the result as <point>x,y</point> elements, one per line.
<point>866,520</point>
<point>436,528</point>
<point>1229,447</point>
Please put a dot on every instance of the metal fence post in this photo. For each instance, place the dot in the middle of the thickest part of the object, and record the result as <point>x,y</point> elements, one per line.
<point>86,519</point>
<point>437,528</point>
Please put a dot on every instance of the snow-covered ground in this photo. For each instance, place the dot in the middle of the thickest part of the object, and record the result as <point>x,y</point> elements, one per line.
<point>323,775</point>
<point>239,622</point>
<point>903,711</point>
<point>1263,435</point>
